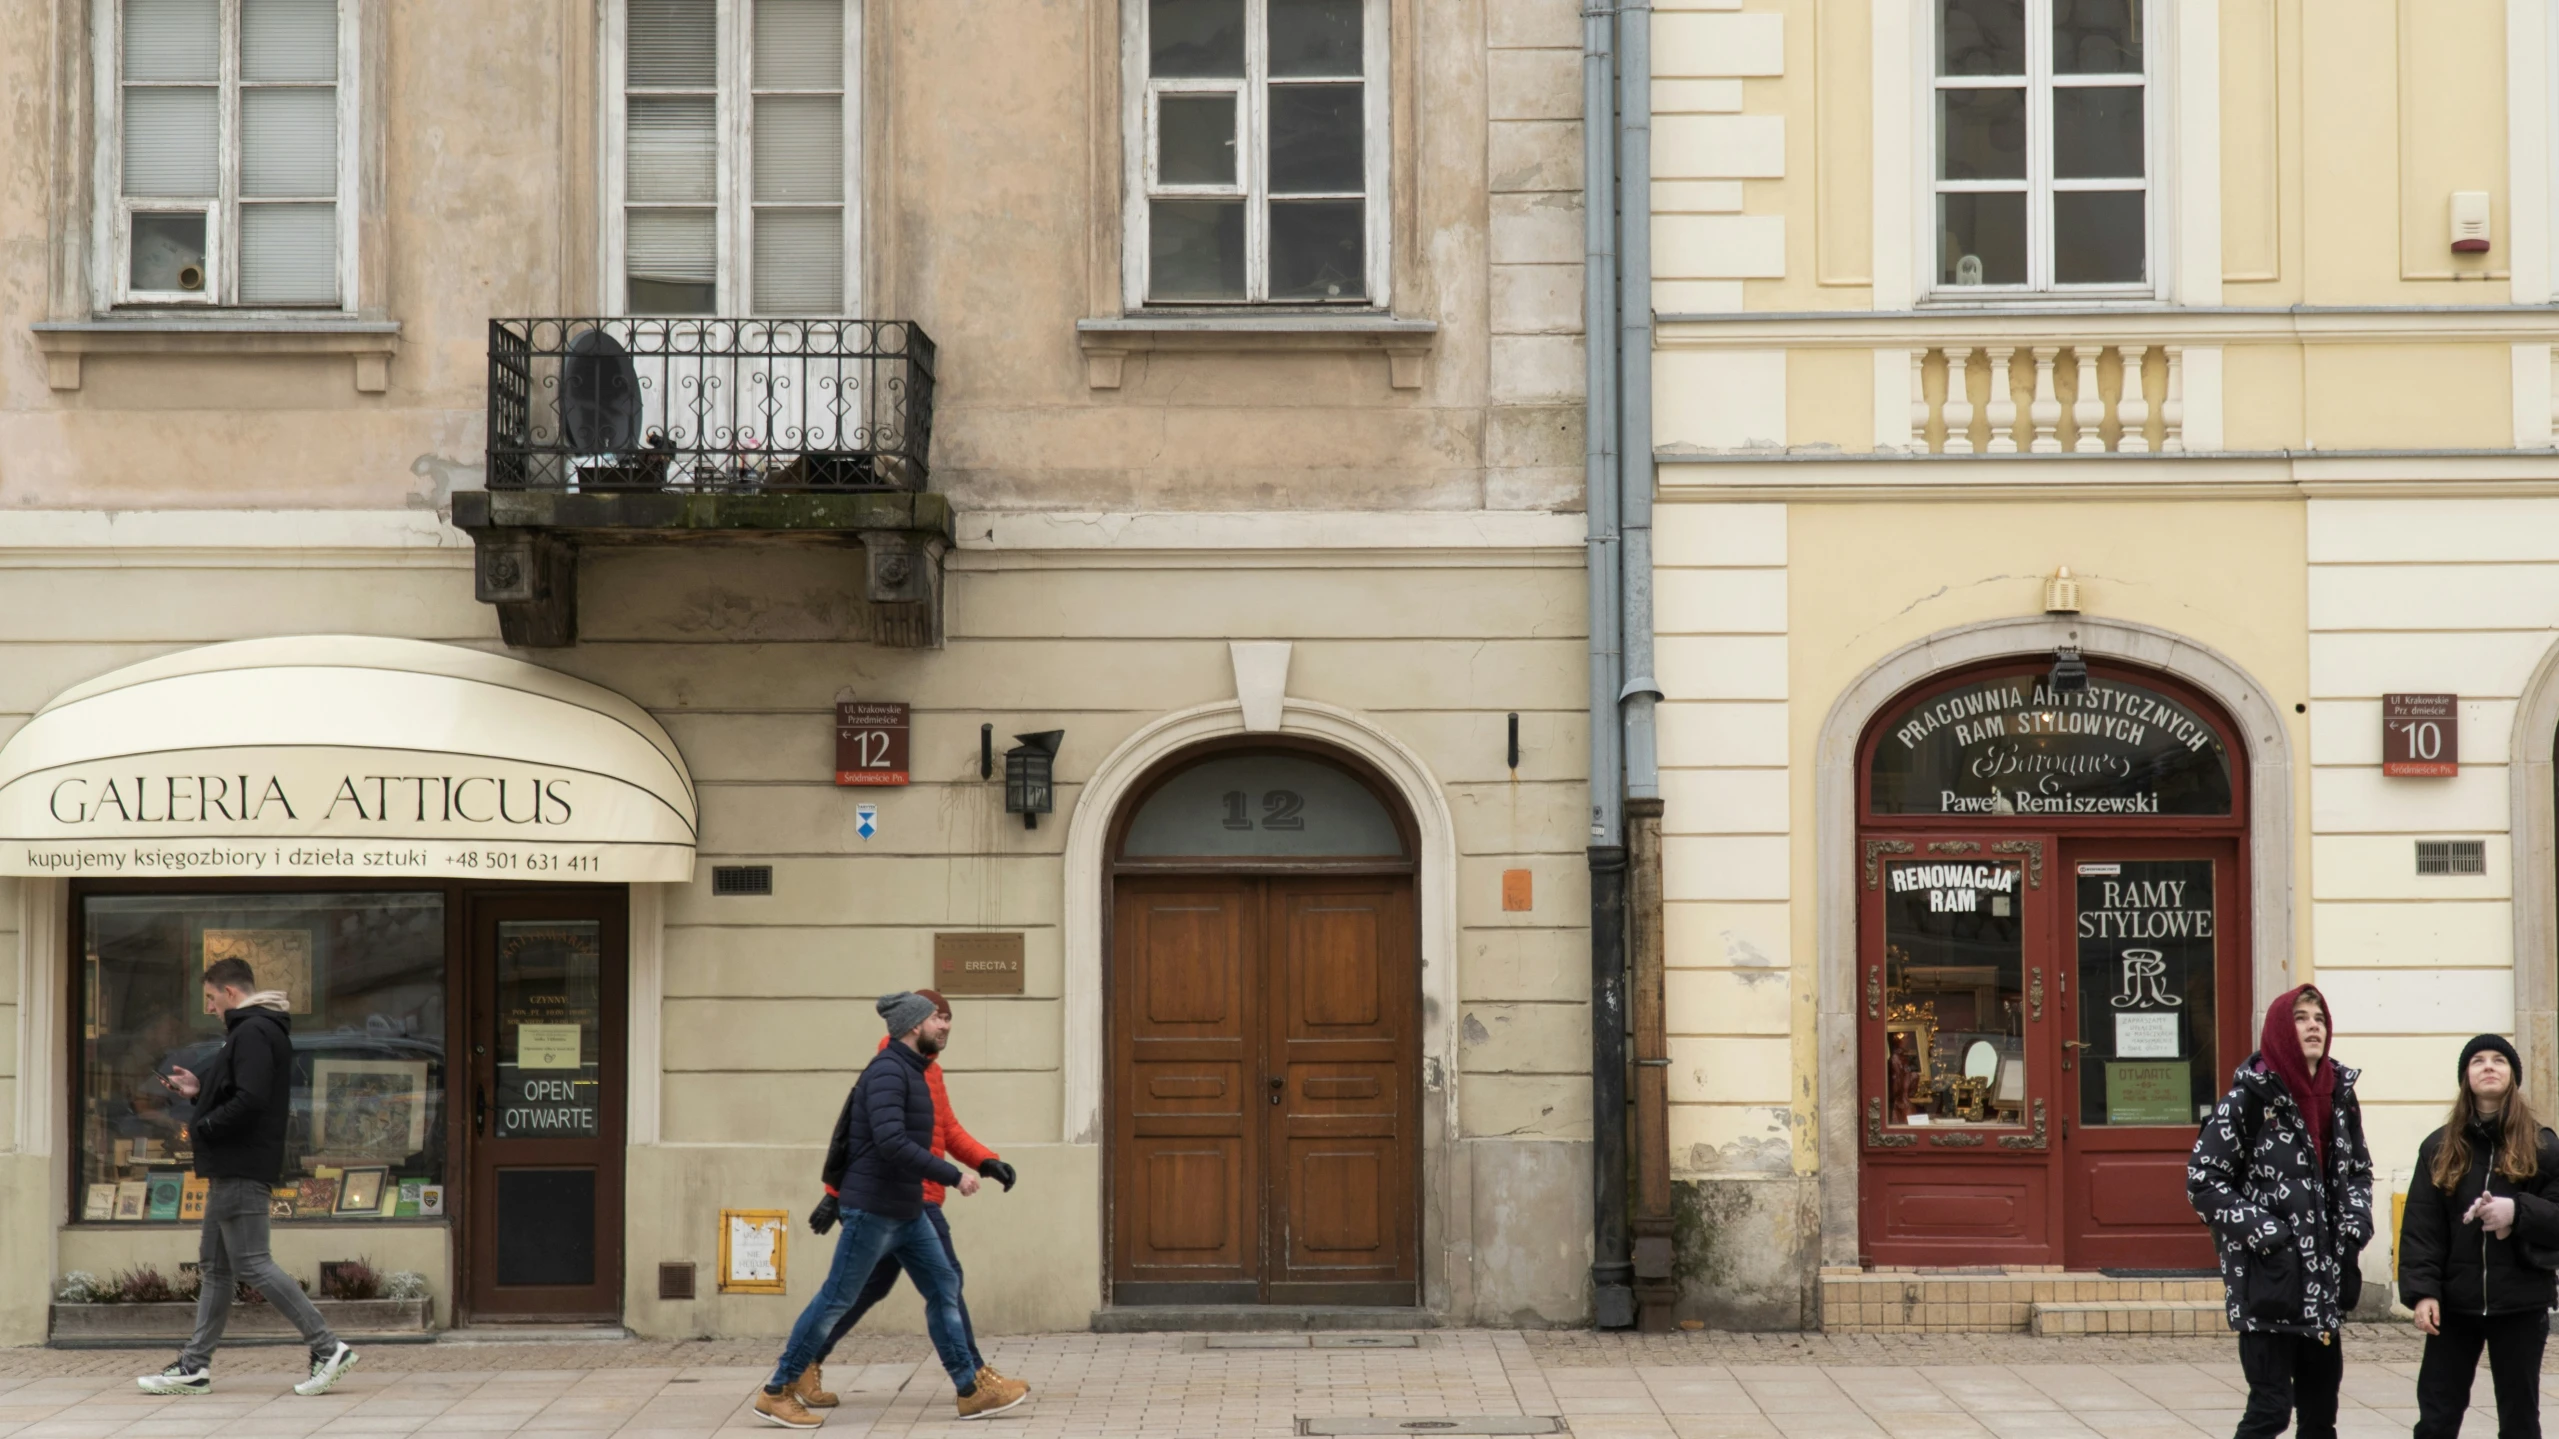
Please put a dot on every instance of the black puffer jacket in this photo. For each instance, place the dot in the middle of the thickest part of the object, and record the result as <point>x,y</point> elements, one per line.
<point>2461,1265</point>
<point>246,1098</point>
<point>2289,1229</point>
<point>883,1147</point>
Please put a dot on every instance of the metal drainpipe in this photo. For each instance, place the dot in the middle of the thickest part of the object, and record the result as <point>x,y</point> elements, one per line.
<point>1635,390</point>
<point>1649,1118</point>
<point>1612,1271</point>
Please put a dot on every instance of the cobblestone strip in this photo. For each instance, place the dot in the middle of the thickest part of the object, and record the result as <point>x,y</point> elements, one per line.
<point>1586,1349</point>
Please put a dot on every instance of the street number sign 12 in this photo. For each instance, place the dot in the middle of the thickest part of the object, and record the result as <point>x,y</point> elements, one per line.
<point>870,742</point>
<point>2421,735</point>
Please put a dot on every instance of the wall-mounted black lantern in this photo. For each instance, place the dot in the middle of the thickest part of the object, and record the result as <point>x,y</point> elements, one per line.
<point>2070,672</point>
<point>1029,770</point>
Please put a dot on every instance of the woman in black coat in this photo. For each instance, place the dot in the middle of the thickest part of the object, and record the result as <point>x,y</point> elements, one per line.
<point>2487,1188</point>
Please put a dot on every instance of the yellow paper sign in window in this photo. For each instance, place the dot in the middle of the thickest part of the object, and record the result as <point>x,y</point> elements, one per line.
<point>546,1046</point>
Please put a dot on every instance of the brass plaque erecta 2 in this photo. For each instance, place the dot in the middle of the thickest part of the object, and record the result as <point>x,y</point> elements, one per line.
<point>977,963</point>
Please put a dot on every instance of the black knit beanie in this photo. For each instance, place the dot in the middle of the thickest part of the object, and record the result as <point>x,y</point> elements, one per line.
<point>2497,1042</point>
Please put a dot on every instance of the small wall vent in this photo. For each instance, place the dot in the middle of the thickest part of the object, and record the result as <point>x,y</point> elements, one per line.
<point>742,879</point>
<point>675,1281</point>
<point>2452,856</point>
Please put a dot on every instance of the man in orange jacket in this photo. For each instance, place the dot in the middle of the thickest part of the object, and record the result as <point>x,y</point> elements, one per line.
<point>950,1142</point>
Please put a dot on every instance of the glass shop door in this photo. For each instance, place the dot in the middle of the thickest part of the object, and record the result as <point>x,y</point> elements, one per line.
<point>542,1218</point>
<point>2156,1014</point>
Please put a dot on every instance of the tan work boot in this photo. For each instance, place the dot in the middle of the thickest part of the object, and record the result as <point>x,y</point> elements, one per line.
<point>992,1396</point>
<point>809,1392</point>
<point>785,1410</point>
<point>989,1371</point>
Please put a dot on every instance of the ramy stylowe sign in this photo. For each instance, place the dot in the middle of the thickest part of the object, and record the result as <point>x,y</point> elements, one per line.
<point>2011,746</point>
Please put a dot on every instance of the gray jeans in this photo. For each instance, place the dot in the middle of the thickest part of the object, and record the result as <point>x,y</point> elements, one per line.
<point>235,1252</point>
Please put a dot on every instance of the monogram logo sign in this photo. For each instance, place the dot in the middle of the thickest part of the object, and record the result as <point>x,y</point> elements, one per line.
<point>2145,987</point>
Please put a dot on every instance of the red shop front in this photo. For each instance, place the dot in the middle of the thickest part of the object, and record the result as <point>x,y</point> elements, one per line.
<point>2052,964</point>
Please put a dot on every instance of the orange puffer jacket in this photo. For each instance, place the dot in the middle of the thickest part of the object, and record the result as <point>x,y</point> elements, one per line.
<point>949,1140</point>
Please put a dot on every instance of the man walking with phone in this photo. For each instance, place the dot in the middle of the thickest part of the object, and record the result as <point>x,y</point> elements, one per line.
<point>242,1102</point>
<point>877,1165</point>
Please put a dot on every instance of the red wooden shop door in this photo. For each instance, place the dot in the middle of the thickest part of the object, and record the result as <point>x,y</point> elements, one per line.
<point>2156,1018</point>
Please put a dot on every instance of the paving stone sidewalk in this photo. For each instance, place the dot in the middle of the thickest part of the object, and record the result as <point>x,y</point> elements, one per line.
<point>1683,1386</point>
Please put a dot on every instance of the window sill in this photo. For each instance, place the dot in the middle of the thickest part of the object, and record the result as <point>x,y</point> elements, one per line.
<point>66,343</point>
<point>1108,343</point>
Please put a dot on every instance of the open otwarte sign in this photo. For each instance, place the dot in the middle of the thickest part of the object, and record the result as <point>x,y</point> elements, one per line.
<point>870,742</point>
<point>2421,735</point>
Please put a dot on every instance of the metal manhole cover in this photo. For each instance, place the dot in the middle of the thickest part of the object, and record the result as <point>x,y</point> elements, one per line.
<point>1198,1342</point>
<point>1470,1426</point>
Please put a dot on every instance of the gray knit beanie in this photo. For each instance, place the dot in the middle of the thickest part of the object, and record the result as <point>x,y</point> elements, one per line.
<point>904,1011</point>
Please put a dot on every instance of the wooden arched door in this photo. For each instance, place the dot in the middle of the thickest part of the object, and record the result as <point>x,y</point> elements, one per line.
<point>2053,963</point>
<point>1264,1006</point>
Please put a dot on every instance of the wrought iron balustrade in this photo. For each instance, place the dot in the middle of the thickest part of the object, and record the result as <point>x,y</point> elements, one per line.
<point>709,406</point>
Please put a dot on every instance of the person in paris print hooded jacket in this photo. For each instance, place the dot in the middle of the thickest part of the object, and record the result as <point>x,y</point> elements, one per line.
<point>2281,1174</point>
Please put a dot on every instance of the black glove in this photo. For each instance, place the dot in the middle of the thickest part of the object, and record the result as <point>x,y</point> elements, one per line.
<point>822,1218</point>
<point>1000,1172</point>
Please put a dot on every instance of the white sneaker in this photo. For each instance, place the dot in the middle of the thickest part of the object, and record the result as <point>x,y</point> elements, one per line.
<point>177,1379</point>
<point>325,1372</point>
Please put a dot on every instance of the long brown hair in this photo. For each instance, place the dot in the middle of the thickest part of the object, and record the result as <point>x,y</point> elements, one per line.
<point>2518,1139</point>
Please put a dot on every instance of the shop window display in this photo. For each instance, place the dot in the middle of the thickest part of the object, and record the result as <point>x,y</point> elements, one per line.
<point>364,976</point>
<point>1954,1015</point>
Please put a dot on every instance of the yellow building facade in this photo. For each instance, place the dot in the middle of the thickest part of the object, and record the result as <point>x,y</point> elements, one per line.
<point>2240,312</point>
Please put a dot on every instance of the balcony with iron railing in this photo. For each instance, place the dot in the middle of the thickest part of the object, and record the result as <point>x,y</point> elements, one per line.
<point>700,406</point>
<point>639,428</point>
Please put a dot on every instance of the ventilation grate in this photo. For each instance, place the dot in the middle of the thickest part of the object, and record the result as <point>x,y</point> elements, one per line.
<point>2452,856</point>
<point>675,1281</point>
<point>742,879</point>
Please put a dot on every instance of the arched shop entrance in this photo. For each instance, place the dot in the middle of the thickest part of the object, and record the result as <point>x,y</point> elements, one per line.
<point>2053,964</point>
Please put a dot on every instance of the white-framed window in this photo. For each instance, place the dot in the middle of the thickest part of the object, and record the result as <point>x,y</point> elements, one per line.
<point>733,157</point>
<point>225,164</point>
<point>2047,144</point>
<point>1256,133</point>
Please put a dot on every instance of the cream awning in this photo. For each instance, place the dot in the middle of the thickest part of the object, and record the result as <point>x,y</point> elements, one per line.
<point>344,755</point>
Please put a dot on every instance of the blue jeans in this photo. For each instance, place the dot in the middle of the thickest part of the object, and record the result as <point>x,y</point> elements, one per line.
<point>858,1250</point>
<point>884,1278</point>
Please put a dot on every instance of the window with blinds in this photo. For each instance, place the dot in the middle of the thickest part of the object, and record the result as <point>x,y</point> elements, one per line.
<point>737,156</point>
<point>229,175</point>
<point>1257,149</point>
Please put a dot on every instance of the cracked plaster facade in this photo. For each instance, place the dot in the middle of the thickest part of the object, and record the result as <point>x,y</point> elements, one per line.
<point>1413,527</point>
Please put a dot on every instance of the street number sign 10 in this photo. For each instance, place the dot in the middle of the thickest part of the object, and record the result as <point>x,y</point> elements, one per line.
<point>2421,735</point>
<point>870,742</point>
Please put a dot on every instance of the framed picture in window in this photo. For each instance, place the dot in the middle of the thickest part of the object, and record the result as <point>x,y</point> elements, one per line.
<point>280,958</point>
<point>360,1192</point>
<point>368,1108</point>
